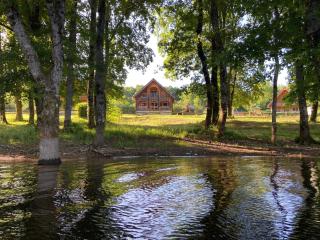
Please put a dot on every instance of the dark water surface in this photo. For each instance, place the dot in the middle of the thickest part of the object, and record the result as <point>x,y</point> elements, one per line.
<point>166,198</point>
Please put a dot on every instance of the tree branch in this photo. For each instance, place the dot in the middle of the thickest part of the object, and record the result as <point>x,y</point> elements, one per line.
<point>5,26</point>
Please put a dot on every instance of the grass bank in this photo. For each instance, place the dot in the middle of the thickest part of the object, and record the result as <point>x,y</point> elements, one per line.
<point>165,133</point>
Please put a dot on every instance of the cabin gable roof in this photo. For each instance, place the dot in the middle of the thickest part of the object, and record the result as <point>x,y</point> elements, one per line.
<point>148,84</point>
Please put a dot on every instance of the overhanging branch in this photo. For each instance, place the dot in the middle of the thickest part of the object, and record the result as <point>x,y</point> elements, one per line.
<point>6,26</point>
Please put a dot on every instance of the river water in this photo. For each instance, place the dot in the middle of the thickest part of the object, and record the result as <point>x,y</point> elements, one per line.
<point>163,198</point>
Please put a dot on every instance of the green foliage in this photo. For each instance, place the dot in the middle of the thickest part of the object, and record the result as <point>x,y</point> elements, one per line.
<point>82,110</point>
<point>113,110</point>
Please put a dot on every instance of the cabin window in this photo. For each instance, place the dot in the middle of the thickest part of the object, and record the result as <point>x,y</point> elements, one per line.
<point>165,104</point>
<point>154,92</point>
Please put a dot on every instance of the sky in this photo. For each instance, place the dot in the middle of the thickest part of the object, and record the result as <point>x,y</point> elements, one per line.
<point>154,71</point>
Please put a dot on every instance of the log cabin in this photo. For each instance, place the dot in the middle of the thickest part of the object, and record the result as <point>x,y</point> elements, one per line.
<point>281,105</point>
<point>154,98</point>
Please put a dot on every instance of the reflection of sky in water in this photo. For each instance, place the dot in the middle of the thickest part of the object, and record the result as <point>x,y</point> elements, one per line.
<point>162,211</point>
<point>284,199</point>
<point>128,177</point>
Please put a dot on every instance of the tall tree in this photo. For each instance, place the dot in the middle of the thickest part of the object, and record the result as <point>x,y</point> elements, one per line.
<point>70,60</point>
<point>49,114</point>
<point>91,62</point>
<point>205,70</point>
<point>275,55</point>
<point>18,102</point>
<point>312,30</point>
<point>304,136</point>
<point>217,20</point>
<point>100,76</point>
<point>3,118</point>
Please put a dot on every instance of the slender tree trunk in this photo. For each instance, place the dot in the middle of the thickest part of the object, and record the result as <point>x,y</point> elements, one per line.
<point>314,112</point>
<point>204,64</point>
<point>31,109</point>
<point>304,136</point>
<point>214,71</point>
<point>3,117</point>
<point>49,119</point>
<point>91,63</point>
<point>215,87</point>
<point>70,65</point>
<point>232,87</point>
<point>18,102</point>
<point>274,99</point>
<point>100,77</point>
<point>38,99</point>
<point>224,99</point>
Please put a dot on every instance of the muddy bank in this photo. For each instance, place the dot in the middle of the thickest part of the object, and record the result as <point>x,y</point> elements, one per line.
<point>185,147</point>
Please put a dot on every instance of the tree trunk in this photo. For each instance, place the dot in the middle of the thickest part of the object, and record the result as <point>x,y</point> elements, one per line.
<point>91,63</point>
<point>274,100</point>
<point>214,70</point>
<point>31,109</point>
<point>219,48</point>
<point>313,36</point>
<point>215,87</point>
<point>18,102</point>
<point>38,99</point>
<point>304,136</point>
<point>3,117</point>
<point>70,65</point>
<point>100,77</point>
<point>49,115</point>
<point>205,70</point>
<point>314,112</point>
<point>224,99</point>
<point>232,87</point>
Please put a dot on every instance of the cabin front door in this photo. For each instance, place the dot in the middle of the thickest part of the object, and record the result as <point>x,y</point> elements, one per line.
<point>154,106</point>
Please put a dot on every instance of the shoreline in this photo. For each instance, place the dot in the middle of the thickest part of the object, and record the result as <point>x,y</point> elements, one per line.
<point>190,148</point>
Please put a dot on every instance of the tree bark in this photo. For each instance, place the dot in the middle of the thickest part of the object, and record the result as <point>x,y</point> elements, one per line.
<point>215,87</point>
<point>232,87</point>
<point>3,117</point>
<point>218,44</point>
<point>224,99</point>
<point>70,65</point>
<point>314,112</point>
<point>49,115</point>
<point>204,64</point>
<point>31,109</point>
<point>100,77</point>
<point>274,100</point>
<point>18,102</point>
<point>304,136</point>
<point>38,99</point>
<point>91,63</point>
<point>312,29</point>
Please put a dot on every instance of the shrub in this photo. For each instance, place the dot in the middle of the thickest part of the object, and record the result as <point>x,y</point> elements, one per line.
<point>82,110</point>
<point>113,110</point>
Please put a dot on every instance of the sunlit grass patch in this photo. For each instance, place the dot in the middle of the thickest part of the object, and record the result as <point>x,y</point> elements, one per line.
<point>159,131</point>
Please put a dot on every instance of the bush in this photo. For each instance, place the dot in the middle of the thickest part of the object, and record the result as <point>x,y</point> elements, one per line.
<point>113,110</point>
<point>82,110</point>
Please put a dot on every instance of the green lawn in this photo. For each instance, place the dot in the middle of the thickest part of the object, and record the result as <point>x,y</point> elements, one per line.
<point>160,130</point>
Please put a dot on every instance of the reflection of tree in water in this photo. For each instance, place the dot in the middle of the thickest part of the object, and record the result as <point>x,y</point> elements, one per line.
<point>275,193</point>
<point>42,223</point>
<point>223,179</point>
<point>308,220</point>
<point>96,222</point>
<point>17,185</point>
